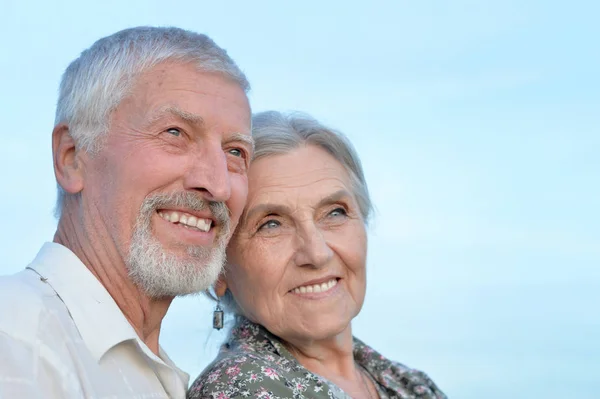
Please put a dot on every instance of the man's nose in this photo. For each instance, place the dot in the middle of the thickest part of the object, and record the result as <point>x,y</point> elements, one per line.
<point>208,173</point>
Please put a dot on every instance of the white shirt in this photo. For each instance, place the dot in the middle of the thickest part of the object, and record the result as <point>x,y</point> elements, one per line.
<point>63,336</point>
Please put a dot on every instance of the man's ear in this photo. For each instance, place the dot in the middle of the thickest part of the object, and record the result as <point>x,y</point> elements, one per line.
<point>67,167</point>
<point>220,286</point>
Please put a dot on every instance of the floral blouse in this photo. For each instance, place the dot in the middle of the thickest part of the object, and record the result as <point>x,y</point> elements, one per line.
<point>255,364</point>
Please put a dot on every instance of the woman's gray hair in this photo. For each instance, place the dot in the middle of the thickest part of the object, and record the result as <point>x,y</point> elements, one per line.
<point>277,133</point>
<point>94,84</point>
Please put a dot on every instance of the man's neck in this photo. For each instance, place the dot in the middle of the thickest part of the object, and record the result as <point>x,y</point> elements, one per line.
<point>96,250</point>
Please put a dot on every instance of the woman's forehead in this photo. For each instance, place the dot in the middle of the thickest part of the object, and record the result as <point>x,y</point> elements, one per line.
<point>306,173</point>
<point>323,192</point>
<point>304,164</point>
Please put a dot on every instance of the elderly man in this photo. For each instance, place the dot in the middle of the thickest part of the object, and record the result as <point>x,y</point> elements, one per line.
<point>151,147</point>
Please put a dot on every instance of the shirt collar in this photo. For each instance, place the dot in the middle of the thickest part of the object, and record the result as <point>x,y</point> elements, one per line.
<point>393,376</point>
<point>99,320</point>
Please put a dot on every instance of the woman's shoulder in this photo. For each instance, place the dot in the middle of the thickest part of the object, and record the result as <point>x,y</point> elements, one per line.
<point>238,374</point>
<point>396,377</point>
<point>413,380</point>
<point>234,375</point>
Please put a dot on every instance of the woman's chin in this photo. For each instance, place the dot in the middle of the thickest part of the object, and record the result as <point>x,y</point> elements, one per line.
<point>317,329</point>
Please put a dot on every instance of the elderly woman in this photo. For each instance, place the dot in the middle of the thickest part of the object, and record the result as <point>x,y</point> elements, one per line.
<point>295,277</point>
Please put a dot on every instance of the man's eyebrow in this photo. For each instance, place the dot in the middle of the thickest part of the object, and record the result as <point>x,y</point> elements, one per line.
<point>188,117</point>
<point>197,120</point>
<point>240,137</point>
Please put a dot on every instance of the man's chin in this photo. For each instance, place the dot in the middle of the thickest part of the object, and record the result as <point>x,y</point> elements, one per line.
<point>183,250</point>
<point>175,273</point>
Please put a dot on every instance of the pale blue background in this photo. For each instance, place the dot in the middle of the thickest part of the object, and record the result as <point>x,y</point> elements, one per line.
<point>478,123</point>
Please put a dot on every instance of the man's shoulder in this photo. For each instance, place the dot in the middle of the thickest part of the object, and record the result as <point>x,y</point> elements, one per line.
<point>24,301</point>
<point>22,290</point>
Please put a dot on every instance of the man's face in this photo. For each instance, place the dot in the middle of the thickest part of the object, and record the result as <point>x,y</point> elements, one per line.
<point>170,181</point>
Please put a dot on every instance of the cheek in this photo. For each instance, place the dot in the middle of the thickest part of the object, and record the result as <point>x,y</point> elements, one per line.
<point>252,275</point>
<point>120,178</point>
<point>360,252</point>
<point>145,171</point>
<point>355,259</point>
<point>154,168</point>
<point>108,196</point>
<point>351,247</point>
<point>102,181</point>
<point>237,201</point>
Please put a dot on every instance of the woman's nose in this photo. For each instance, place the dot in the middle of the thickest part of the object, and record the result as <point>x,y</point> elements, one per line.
<point>313,249</point>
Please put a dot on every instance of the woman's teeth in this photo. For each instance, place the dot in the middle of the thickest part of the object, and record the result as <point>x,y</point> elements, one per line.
<point>309,289</point>
<point>186,220</point>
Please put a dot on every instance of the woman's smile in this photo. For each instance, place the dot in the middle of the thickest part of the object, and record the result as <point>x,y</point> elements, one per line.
<point>317,289</point>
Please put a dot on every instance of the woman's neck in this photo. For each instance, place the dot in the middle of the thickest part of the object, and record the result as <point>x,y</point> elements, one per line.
<point>333,359</point>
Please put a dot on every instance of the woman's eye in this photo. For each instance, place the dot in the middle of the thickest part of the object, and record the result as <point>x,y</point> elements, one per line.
<point>269,224</point>
<point>174,131</point>
<point>236,152</point>
<point>338,212</point>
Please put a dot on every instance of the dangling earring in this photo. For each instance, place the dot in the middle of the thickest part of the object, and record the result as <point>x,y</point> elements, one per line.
<point>218,316</point>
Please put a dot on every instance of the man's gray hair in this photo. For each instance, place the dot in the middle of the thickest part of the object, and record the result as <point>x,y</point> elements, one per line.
<point>94,84</point>
<point>277,133</point>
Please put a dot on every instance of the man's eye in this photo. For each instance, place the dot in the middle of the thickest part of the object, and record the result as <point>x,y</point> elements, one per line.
<point>236,152</point>
<point>174,131</point>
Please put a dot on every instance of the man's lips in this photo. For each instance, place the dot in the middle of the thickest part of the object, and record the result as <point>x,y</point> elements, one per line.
<point>201,221</point>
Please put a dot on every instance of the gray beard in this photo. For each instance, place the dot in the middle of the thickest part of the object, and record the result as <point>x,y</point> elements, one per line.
<point>162,274</point>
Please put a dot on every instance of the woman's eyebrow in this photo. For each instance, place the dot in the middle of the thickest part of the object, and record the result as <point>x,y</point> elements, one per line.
<point>267,208</point>
<point>334,197</point>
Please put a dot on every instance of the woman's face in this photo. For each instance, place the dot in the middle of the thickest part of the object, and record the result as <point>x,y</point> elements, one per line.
<point>296,264</point>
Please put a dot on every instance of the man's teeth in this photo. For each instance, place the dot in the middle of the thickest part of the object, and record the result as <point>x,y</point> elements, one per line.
<point>309,289</point>
<point>186,220</point>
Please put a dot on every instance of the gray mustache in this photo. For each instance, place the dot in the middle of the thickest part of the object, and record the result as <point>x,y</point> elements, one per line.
<point>190,201</point>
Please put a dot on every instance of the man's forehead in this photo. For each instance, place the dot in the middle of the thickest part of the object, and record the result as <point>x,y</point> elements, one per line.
<point>184,76</point>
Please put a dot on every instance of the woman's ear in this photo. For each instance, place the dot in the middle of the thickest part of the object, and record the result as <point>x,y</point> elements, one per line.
<point>220,286</point>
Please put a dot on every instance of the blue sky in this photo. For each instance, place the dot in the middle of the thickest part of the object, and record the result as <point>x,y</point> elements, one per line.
<point>478,123</point>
